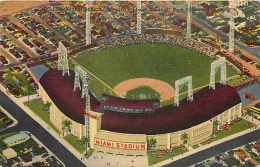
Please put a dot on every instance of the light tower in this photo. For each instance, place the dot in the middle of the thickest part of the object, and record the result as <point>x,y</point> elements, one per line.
<point>85,93</point>
<point>87,110</point>
<point>63,63</point>
<point>183,81</point>
<point>139,17</point>
<point>77,79</point>
<point>233,4</point>
<point>220,63</point>
<point>85,89</point>
<point>188,35</point>
<point>232,8</point>
<point>88,26</point>
<point>81,81</point>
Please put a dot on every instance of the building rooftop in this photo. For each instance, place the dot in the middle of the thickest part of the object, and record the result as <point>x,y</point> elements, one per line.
<point>16,138</point>
<point>39,70</point>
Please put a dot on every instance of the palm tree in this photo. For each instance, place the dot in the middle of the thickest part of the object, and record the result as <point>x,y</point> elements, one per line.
<point>27,90</point>
<point>184,138</point>
<point>85,141</point>
<point>46,106</point>
<point>151,142</point>
<point>154,141</point>
<point>66,127</point>
<point>215,126</point>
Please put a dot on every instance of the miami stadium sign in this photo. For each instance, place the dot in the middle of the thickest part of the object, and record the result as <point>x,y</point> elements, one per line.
<point>120,145</point>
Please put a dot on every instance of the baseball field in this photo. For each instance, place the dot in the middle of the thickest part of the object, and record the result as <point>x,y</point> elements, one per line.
<point>161,62</point>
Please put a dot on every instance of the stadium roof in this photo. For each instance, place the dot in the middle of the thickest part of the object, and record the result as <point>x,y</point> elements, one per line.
<point>60,90</point>
<point>207,104</point>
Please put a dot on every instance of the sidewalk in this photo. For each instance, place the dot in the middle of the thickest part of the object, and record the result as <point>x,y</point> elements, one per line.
<point>20,103</point>
<point>26,98</point>
<point>168,161</point>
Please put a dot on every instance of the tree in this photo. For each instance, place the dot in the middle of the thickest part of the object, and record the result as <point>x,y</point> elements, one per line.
<point>184,138</point>
<point>46,106</point>
<point>17,83</point>
<point>215,126</point>
<point>85,141</point>
<point>66,127</point>
<point>151,142</point>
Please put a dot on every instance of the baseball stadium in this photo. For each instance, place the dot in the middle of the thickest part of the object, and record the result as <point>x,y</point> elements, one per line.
<point>136,93</point>
<point>132,83</point>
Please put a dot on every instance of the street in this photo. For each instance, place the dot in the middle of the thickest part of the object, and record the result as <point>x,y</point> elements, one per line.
<point>200,156</point>
<point>26,123</point>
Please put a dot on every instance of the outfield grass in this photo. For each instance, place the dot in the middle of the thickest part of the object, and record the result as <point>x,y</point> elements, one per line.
<point>158,61</point>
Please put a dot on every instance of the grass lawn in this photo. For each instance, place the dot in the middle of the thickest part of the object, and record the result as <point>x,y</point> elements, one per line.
<point>76,143</point>
<point>236,127</point>
<point>238,80</point>
<point>158,156</point>
<point>158,61</point>
<point>143,92</point>
<point>37,106</point>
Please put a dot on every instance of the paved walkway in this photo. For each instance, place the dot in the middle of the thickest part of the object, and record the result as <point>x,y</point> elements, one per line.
<point>99,159</point>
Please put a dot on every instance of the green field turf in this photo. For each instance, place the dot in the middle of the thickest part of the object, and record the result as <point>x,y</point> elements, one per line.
<point>143,92</point>
<point>158,61</point>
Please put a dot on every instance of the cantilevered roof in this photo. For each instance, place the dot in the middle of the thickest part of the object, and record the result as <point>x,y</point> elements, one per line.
<point>60,90</point>
<point>207,104</point>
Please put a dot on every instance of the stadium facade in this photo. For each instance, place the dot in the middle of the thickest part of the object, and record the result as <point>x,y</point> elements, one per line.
<point>114,129</point>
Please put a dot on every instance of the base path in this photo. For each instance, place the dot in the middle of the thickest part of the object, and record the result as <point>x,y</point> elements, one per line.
<point>166,90</point>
